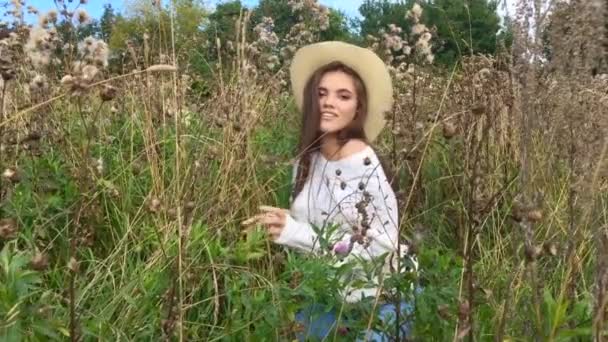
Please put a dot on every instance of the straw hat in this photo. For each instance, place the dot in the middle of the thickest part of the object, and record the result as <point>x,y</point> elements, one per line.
<point>366,63</point>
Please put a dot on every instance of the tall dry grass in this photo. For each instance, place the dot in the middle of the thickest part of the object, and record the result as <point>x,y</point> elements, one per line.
<point>121,194</point>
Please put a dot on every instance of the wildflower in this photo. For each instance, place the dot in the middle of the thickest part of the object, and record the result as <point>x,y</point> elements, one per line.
<point>52,16</point>
<point>67,80</point>
<point>417,10</point>
<point>39,83</point>
<point>82,17</point>
<point>418,29</point>
<point>38,47</point>
<point>425,37</point>
<point>89,72</point>
<point>94,51</point>
<point>43,21</point>
<point>342,248</point>
<point>75,85</point>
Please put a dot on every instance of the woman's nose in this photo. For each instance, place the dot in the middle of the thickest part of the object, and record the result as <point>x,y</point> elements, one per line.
<point>328,101</point>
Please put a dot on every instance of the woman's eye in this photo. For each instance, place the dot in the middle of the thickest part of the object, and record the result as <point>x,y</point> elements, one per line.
<point>343,97</point>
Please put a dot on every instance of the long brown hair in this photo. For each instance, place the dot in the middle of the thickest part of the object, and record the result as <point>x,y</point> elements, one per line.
<point>310,134</point>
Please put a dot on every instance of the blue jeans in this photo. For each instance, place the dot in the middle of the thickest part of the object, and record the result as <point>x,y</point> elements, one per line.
<point>319,323</point>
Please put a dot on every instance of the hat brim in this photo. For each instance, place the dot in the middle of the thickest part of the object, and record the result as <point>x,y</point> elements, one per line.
<point>366,63</point>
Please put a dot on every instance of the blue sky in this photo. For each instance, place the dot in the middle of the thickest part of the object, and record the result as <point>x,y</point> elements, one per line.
<point>95,7</point>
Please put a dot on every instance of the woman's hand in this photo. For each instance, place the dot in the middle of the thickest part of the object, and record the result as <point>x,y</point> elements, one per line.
<point>272,218</point>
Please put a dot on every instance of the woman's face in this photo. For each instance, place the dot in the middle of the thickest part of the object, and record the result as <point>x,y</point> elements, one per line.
<point>337,101</point>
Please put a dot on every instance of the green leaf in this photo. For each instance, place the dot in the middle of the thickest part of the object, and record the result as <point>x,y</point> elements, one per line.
<point>255,255</point>
<point>567,334</point>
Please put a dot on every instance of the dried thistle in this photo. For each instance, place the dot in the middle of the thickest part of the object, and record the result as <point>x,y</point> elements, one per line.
<point>39,262</point>
<point>108,93</point>
<point>11,175</point>
<point>73,265</point>
<point>8,228</point>
<point>82,17</point>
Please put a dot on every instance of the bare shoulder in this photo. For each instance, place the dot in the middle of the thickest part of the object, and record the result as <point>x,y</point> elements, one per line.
<point>354,146</point>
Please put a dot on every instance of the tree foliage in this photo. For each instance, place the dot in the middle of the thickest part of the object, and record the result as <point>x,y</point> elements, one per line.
<point>461,27</point>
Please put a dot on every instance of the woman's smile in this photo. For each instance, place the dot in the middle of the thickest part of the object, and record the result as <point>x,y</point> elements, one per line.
<point>328,116</point>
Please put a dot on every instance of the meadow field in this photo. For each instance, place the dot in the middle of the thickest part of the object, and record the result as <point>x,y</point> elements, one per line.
<point>132,146</point>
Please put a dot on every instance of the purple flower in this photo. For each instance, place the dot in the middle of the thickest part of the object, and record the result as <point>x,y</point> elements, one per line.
<point>342,248</point>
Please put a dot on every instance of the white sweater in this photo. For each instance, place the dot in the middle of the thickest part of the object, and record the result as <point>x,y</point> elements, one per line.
<point>330,196</point>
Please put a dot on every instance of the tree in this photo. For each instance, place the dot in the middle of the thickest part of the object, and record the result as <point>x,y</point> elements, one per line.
<point>379,14</point>
<point>285,18</point>
<point>221,25</point>
<point>106,22</point>
<point>461,27</point>
<point>338,28</point>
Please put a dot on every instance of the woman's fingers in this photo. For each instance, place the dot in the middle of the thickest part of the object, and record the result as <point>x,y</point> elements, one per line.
<point>271,221</point>
<point>274,232</point>
<point>267,208</point>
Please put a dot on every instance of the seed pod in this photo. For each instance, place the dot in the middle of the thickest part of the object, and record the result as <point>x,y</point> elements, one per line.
<point>532,253</point>
<point>535,215</point>
<point>479,110</point>
<point>172,213</point>
<point>190,205</point>
<point>12,175</point>
<point>73,265</point>
<point>550,248</point>
<point>449,130</point>
<point>517,211</point>
<point>39,262</point>
<point>464,309</point>
<point>8,229</point>
<point>443,310</point>
<point>108,93</point>
<point>154,205</point>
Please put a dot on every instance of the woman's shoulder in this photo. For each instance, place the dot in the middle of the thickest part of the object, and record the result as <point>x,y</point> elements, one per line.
<point>354,146</point>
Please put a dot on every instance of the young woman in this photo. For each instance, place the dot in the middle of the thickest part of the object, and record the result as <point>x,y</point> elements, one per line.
<point>343,92</point>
